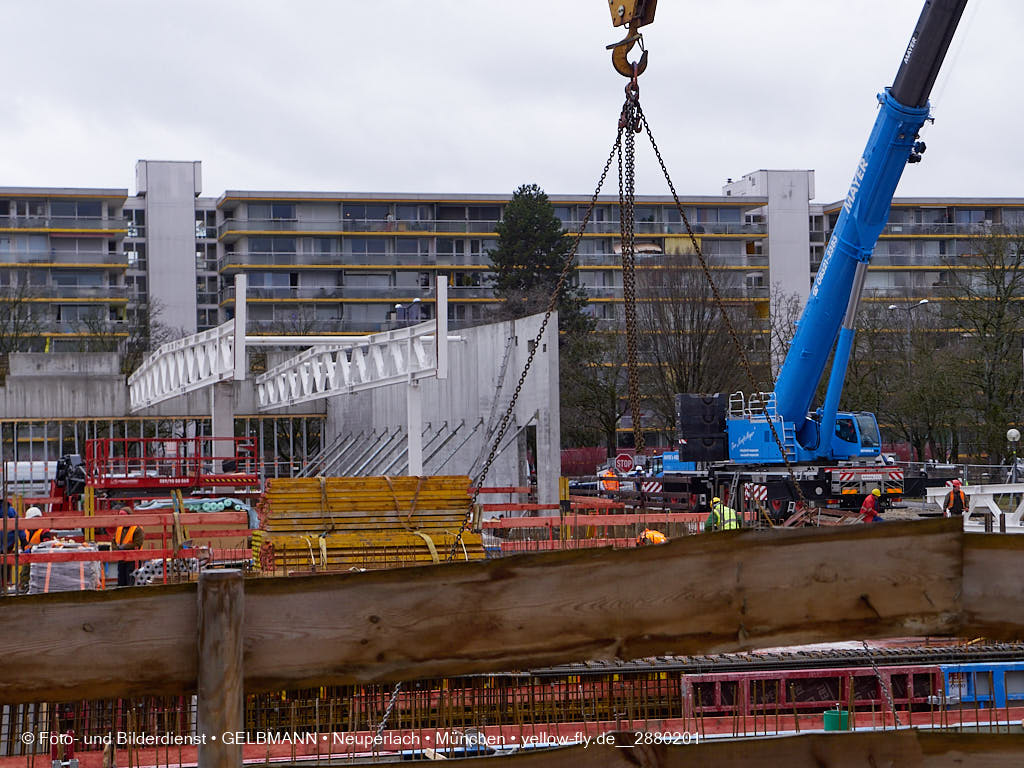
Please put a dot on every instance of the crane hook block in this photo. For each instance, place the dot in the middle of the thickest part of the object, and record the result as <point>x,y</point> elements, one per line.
<point>635,13</point>
<point>628,11</point>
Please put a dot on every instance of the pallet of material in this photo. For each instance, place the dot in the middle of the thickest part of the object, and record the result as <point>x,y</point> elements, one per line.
<point>339,523</point>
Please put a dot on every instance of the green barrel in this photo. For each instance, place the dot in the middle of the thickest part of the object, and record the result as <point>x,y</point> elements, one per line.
<point>837,720</point>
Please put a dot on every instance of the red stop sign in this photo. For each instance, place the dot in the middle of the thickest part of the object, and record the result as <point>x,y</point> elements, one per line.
<point>624,462</point>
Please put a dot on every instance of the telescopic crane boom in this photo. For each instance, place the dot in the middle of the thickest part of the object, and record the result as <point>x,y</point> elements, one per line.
<point>828,319</point>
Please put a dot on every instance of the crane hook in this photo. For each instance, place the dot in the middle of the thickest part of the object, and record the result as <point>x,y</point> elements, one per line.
<point>621,49</point>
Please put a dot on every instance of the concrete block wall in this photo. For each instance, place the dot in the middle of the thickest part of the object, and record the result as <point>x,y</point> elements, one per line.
<point>469,394</point>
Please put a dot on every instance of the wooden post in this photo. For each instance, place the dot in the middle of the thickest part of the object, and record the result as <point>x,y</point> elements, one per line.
<point>220,699</point>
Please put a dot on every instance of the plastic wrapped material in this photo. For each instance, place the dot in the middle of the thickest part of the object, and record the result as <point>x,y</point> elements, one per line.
<point>222,504</point>
<point>63,577</point>
<point>152,571</point>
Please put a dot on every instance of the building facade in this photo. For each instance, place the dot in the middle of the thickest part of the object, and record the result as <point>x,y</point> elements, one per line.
<point>83,265</point>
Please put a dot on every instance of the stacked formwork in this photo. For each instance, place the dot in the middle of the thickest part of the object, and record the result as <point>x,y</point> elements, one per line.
<point>341,523</point>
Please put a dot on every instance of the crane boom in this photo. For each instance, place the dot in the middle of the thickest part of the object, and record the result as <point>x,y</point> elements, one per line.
<point>828,318</point>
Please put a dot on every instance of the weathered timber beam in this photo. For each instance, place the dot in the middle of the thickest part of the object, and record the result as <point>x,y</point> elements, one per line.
<point>94,645</point>
<point>993,599</point>
<point>906,749</point>
<point>714,593</point>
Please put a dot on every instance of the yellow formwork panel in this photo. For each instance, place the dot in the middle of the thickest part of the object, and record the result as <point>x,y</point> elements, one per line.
<point>337,523</point>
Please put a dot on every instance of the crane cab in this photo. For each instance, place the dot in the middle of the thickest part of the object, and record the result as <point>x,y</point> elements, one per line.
<point>855,436</point>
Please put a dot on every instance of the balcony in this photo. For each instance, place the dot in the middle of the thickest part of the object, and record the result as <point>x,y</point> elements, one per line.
<point>945,230</point>
<point>670,228</point>
<point>86,328</point>
<point>236,259</point>
<point>231,229</point>
<point>113,294</point>
<point>65,258</point>
<point>396,293</point>
<point>64,224</point>
<point>935,261</point>
<point>603,291</point>
<point>339,327</point>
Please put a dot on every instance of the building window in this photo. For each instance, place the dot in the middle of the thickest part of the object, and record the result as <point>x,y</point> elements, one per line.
<point>414,212</point>
<point>136,253</point>
<point>206,224</point>
<point>271,211</point>
<point>416,249</point>
<point>136,221</point>
<point>364,248</point>
<point>363,212</point>
<point>275,246</point>
<point>76,209</point>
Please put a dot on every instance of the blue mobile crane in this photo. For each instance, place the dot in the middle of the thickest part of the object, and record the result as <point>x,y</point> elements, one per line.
<point>763,431</point>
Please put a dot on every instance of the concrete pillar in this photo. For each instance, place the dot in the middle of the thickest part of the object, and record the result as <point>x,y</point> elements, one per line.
<point>414,416</point>
<point>549,449</point>
<point>222,418</point>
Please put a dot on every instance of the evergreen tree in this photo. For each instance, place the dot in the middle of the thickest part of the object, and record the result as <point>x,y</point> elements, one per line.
<point>531,252</point>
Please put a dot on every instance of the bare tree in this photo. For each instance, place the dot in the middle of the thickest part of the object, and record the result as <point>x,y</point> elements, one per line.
<point>20,327</point>
<point>134,337</point>
<point>784,312</point>
<point>986,303</point>
<point>593,388</point>
<point>301,321</point>
<point>900,371</point>
<point>684,343</point>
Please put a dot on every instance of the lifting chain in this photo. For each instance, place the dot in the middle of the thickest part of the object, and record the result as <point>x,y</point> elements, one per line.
<point>506,419</point>
<point>630,125</point>
<point>744,362</point>
<point>567,270</point>
<point>883,686</point>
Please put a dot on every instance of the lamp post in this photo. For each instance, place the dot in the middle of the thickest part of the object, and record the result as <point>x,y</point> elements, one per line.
<point>906,309</point>
<point>1013,437</point>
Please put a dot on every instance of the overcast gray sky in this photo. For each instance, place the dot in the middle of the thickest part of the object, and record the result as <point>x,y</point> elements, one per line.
<point>479,96</point>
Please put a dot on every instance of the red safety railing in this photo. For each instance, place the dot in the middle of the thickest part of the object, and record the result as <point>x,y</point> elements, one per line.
<point>182,462</point>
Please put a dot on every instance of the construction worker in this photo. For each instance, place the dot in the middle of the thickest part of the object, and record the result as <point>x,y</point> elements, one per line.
<point>649,536</point>
<point>127,537</point>
<point>869,510</point>
<point>39,535</point>
<point>12,542</point>
<point>721,517</point>
<point>610,481</point>
<point>955,503</point>
<point>32,538</point>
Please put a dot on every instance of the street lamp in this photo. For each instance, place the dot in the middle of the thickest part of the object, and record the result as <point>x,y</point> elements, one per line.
<point>1013,437</point>
<point>906,309</point>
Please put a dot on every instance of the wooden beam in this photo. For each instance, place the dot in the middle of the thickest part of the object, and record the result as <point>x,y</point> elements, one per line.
<point>96,645</point>
<point>714,593</point>
<point>993,599</point>
<point>907,749</point>
<point>220,699</point>
<point>723,592</point>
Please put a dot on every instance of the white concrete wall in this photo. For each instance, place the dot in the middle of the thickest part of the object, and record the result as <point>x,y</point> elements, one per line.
<point>788,212</point>
<point>84,386</point>
<point>468,395</point>
<point>170,189</point>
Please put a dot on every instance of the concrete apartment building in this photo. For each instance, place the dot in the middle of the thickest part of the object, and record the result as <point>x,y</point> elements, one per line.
<point>81,265</point>
<point>81,260</point>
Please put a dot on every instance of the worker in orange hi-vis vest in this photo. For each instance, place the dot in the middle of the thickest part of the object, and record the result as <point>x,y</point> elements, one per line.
<point>609,481</point>
<point>955,503</point>
<point>127,537</point>
<point>650,536</point>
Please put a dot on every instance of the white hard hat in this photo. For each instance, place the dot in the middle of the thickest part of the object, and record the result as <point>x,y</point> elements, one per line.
<point>33,512</point>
